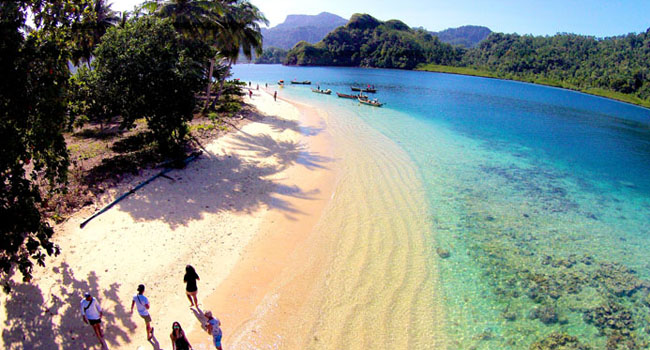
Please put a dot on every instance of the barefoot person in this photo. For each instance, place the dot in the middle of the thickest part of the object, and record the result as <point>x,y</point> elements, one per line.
<point>213,327</point>
<point>179,341</point>
<point>191,289</point>
<point>142,304</point>
<point>92,314</point>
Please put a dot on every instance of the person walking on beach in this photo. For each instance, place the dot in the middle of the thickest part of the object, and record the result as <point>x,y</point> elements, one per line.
<point>250,93</point>
<point>179,341</point>
<point>142,304</point>
<point>92,314</point>
<point>191,289</point>
<point>213,326</point>
<point>275,96</point>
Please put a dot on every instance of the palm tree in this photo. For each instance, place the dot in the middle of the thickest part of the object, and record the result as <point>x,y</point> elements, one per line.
<point>232,25</point>
<point>241,33</point>
<point>194,19</point>
<point>88,33</point>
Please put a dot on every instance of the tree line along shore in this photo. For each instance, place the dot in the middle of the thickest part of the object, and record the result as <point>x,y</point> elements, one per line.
<point>89,94</point>
<point>615,67</point>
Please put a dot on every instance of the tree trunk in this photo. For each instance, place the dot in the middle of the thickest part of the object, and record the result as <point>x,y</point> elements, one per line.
<point>207,93</point>
<point>221,83</point>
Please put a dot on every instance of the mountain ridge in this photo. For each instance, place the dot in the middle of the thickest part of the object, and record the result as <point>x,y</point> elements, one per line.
<point>296,28</point>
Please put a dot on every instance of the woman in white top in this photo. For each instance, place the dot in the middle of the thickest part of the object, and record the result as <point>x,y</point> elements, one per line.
<point>142,304</point>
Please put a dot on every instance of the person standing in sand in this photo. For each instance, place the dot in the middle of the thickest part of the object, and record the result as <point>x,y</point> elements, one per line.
<point>92,314</point>
<point>213,326</point>
<point>142,304</point>
<point>191,289</point>
<point>275,96</point>
<point>179,341</point>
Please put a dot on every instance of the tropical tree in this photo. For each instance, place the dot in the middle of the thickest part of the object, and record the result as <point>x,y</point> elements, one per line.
<point>97,17</point>
<point>147,71</point>
<point>33,154</point>
<point>231,26</point>
<point>240,32</point>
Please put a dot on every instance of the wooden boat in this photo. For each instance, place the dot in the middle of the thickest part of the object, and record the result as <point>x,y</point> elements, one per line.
<point>326,92</point>
<point>306,82</point>
<point>373,103</point>
<point>370,89</point>
<point>354,97</point>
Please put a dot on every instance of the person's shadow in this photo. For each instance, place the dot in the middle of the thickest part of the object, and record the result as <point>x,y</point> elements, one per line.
<point>198,313</point>
<point>154,343</point>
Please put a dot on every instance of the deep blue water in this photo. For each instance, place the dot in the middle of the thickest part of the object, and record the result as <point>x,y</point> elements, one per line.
<point>541,195</point>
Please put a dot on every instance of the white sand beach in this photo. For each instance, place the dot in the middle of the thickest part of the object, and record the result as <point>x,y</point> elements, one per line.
<point>206,215</point>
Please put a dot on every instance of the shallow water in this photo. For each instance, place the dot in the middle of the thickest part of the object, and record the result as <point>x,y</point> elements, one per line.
<point>540,196</point>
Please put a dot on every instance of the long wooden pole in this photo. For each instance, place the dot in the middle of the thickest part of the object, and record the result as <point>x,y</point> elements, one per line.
<point>139,186</point>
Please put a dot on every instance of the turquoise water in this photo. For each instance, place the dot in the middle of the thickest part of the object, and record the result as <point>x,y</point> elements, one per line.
<point>540,195</point>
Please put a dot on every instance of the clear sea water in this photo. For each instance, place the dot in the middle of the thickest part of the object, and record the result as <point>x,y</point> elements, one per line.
<point>540,196</point>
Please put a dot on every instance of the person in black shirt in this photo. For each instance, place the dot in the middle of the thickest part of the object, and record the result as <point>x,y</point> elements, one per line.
<point>191,289</point>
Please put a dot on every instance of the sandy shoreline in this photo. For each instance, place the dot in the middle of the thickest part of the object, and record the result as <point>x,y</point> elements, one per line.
<point>264,183</point>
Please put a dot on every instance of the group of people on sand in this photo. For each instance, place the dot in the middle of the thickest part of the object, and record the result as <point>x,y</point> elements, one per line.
<point>250,91</point>
<point>92,313</point>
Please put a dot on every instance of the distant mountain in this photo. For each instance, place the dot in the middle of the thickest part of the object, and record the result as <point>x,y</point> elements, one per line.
<point>466,36</point>
<point>297,28</point>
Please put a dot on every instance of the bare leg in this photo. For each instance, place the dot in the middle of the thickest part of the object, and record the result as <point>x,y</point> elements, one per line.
<point>98,332</point>
<point>149,331</point>
<point>190,299</point>
<point>196,302</point>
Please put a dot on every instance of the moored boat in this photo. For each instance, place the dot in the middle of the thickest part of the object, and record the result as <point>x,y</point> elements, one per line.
<point>280,82</point>
<point>319,91</point>
<point>370,89</point>
<point>305,82</point>
<point>353,97</point>
<point>373,103</point>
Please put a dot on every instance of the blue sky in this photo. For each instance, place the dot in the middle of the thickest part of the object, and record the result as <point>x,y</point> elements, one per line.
<point>597,17</point>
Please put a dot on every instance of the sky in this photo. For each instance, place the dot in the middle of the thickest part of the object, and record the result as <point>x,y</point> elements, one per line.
<point>599,18</point>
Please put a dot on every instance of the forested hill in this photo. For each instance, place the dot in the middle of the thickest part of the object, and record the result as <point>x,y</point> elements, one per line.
<point>466,36</point>
<point>617,64</point>
<point>367,42</point>
<point>297,28</point>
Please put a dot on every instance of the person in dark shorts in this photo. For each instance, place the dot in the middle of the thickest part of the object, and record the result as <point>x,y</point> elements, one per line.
<point>179,341</point>
<point>92,314</point>
<point>191,289</point>
<point>142,304</point>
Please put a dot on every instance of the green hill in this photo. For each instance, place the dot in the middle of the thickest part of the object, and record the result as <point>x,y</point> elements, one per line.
<point>466,36</point>
<point>367,42</point>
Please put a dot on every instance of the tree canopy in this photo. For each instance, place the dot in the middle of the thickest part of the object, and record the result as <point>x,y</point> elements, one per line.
<point>34,71</point>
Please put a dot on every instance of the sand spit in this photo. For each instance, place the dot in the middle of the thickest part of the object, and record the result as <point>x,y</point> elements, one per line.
<point>206,215</point>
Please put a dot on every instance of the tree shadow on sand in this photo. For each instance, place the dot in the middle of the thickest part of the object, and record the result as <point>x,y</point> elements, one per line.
<point>227,183</point>
<point>281,124</point>
<point>51,319</point>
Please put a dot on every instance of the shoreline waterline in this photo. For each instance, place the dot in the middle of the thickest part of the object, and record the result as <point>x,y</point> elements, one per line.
<point>355,272</point>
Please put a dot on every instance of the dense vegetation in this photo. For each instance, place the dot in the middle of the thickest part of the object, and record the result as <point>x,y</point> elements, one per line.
<point>466,36</point>
<point>367,42</point>
<point>272,55</point>
<point>619,64</point>
<point>150,65</point>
